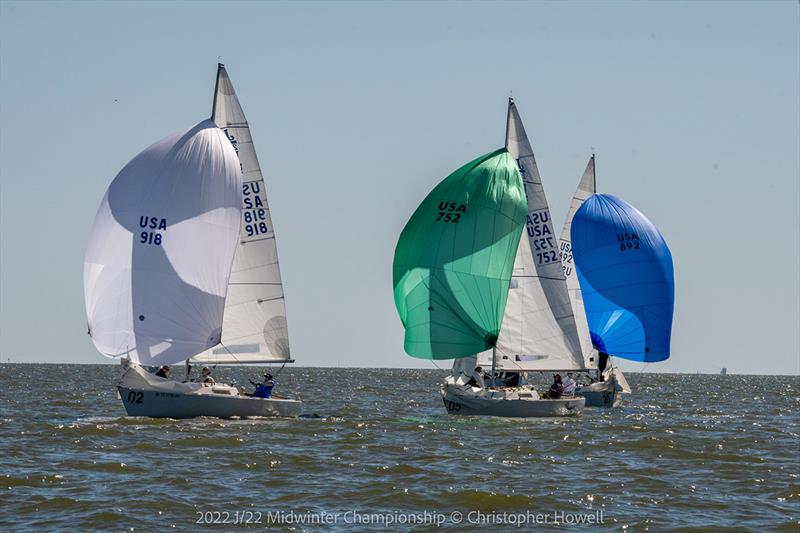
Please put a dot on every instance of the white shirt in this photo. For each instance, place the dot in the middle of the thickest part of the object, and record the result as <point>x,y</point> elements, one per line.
<point>569,385</point>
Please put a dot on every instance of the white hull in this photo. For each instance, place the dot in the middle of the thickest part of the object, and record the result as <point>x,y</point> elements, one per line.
<point>159,404</point>
<point>144,394</point>
<point>606,393</point>
<point>518,403</point>
<point>600,398</point>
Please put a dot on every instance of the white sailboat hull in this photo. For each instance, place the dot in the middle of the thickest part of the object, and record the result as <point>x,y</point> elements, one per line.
<point>606,393</point>
<point>600,398</point>
<point>144,394</point>
<point>157,404</point>
<point>472,401</point>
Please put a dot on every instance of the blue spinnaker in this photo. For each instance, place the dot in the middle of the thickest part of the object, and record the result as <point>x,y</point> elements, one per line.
<point>626,277</point>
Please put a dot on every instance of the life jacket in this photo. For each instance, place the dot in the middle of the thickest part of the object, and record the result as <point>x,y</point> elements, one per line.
<point>263,391</point>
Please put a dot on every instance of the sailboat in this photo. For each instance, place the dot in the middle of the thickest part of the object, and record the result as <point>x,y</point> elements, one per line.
<point>607,384</point>
<point>531,326</point>
<point>626,282</point>
<point>168,254</point>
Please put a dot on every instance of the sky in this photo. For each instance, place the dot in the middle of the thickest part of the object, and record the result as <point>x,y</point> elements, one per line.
<point>358,109</point>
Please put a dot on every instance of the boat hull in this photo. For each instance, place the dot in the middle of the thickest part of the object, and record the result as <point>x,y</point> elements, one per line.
<point>460,404</point>
<point>159,404</point>
<point>606,393</point>
<point>607,398</point>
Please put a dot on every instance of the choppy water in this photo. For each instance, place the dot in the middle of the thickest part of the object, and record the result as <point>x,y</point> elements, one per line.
<point>685,452</point>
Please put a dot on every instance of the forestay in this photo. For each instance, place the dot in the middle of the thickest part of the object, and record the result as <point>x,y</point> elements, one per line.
<point>159,257</point>
<point>538,331</point>
<point>255,328</point>
<point>586,188</point>
<point>626,278</point>
<point>453,260</point>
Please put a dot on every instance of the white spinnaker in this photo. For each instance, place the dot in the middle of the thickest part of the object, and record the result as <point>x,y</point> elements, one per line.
<point>586,188</point>
<point>255,329</point>
<point>159,257</point>
<point>538,330</point>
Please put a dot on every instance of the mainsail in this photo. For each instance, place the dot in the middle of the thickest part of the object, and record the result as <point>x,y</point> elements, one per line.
<point>453,260</point>
<point>586,188</point>
<point>254,328</point>
<point>538,329</point>
<point>626,276</point>
<point>159,256</point>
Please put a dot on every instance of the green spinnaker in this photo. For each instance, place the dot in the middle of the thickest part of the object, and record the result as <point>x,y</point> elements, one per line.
<point>454,258</point>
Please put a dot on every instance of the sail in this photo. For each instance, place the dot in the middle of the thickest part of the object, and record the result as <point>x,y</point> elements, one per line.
<point>454,258</point>
<point>586,188</point>
<point>159,256</point>
<point>538,331</point>
<point>254,328</point>
<point>626,278</point>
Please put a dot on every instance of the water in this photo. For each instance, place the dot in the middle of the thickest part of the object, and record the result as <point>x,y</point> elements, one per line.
<point>688,452</point>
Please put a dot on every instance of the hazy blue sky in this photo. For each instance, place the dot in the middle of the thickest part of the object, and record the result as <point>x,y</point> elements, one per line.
<point>358,109</point>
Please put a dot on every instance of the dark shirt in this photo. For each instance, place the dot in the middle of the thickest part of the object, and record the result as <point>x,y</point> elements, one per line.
<point>555,391</point>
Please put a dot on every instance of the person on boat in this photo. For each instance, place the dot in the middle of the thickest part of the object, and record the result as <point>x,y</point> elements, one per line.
<point>601,365</point>
<point>205,376</point>
<point>556,389</point>
<point>477,378</point>
<point>263,389</point>
<point>569,385</point>
<point>163,372</point>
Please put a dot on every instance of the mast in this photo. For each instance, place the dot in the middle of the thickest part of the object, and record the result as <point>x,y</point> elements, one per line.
<point>220,66</point>
<point>508,124</point>
<point>494,361</point>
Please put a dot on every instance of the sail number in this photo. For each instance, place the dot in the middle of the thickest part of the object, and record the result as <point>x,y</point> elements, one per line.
<point>540,235</point>
<point>256,229</point>
<point>453,407</point>
<point>232,139</point>
<point>254,210</point>
<point>566,257</point>
<point>254,222</point>
<point>153,227</point>
<point>135,396</point>
<point>450,212</point>
<point>628,241</point>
